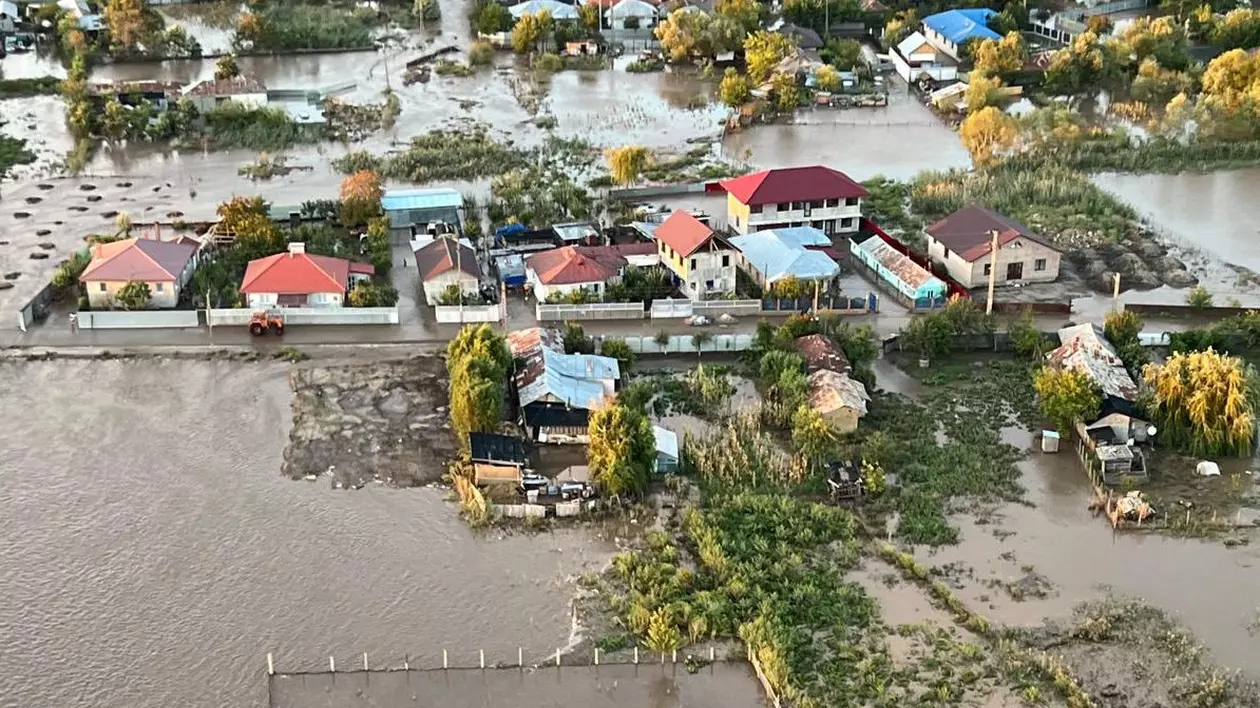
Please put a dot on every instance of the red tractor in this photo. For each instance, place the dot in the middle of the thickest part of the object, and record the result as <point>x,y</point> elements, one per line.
<point>262,322</point>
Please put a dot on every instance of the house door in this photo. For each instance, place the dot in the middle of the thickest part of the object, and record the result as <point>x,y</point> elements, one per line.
<point>1015,271</point>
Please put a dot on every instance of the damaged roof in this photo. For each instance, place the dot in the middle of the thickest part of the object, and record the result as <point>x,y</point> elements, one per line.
<point>820,353</point>
<point>1085,349</point>
<point>829,391</point>
<point>545,374</point>
<point>899,264</point>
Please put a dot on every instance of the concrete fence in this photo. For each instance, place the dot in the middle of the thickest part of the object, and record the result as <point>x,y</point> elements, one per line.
<point>686,344</point>
<point>447,314</point>
<point>668,309</point>
<point>593,311</point>
<point>137,319</point>
<point>302,316</point>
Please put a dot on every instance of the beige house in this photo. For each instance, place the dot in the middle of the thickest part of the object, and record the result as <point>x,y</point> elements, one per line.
<point>165,266</point>
<point>840,399</point>
<point>963,242</point>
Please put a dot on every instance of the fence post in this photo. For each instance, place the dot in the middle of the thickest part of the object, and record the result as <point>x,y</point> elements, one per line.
<point>520,658</point>
<point>597,656</point>
<point>482,653</point>
<point>406,663</point>
<point>636,655</point>
<point>365,661</point>
<point>271,665</point>
<point>674,659</point>
<point>712,654</point>
<point>332,664</point>
<point>444,664</point>
<point>557,658</point>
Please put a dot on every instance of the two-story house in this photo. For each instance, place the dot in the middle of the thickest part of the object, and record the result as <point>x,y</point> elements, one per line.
<point>963,243</point>
<point>948,31</point>
<point>703,261</point>
<point>815,196</point>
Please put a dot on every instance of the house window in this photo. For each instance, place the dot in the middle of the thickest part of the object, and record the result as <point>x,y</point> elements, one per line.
<point>102,288</point>
<point>846,223</point>
<point>988,268</point>
<point>783,206</point>
<point>946,253</point>
<point>833,202</point>
<point>754,209</point>
<point>726,261</point>
<point>851,201</point>
<point>1039,264</point>
<point>158,287</point>
<point>816,204</point>
<point>693,264</point>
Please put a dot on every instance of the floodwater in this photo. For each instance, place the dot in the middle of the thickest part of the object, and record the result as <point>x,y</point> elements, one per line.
<point>153,554</point>
<point>1205,585</point>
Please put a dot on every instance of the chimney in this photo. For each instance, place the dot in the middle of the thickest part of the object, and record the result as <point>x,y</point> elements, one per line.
<point>296,247</point>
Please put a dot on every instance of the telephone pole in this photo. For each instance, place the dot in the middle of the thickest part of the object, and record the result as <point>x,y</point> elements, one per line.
<point>993,253</point>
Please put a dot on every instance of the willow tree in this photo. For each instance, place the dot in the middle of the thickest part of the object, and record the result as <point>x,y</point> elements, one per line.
<point>627,162</point>
<point>1202,402</point>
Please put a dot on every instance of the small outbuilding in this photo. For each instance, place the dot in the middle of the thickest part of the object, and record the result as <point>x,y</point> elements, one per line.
<point>667,457</point>
<point>839,399</point>
<point>908,278</point>
<point>496,458</point>
<point>421,207</point>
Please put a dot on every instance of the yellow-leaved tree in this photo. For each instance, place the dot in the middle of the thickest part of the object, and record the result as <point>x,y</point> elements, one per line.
<point>762,53</point>
<point>626,163</point>
<point>1066,397</point>
<point>998,57</point>
<point>125,21</point>
<point>1201,402</point>
<point>987,133</point>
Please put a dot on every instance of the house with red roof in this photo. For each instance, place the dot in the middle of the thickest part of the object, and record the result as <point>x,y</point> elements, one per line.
<point>816,196</point>
<point>703,261</point>
<point>445,262</point>
<point>589,269</point>
<point>296,278</point>
<point>165,266</point>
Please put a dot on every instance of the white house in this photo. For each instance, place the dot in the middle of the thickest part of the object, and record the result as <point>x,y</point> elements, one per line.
<point>245,90</point>
<point>442,262</point>
<point>558,10</point>
<point>296,278</point>
<point>914,57</point>
<point>948,31</point>
<point>631,14</point>
<point>589,269</point>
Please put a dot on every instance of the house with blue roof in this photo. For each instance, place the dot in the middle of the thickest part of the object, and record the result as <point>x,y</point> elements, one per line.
<point>421,207</point>
<point>948,31</point>
<point>794,252</point>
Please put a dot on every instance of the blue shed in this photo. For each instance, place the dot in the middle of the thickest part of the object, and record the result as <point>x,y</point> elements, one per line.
<point>895,268</point>
<point>420,207</point>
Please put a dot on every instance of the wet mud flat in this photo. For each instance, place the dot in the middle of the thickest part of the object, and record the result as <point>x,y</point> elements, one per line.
<point>721,685</point>
<point>385,422</point>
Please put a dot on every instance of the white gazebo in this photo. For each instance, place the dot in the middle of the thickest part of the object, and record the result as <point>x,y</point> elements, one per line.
<point>644,13</point>
<point>558,10</point>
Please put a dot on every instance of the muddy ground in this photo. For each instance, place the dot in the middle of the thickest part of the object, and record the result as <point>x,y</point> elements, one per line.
<point>356,424</point>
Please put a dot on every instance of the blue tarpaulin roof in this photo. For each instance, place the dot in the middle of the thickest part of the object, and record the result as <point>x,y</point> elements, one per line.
<point>958,26</point>
<point>781,253</point>
<point>400,199</point>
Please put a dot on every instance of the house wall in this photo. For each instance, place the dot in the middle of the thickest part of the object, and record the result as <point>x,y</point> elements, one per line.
<point>909,71</point>
<point>543,291</point>
<point>830,216</point>
<point>259,300</point>
<point>703,272</point>
<point>1021,250</point>
<point>207,103</point>
<point>938,40</point>
<point>101,293</point>
<point>434,287</point>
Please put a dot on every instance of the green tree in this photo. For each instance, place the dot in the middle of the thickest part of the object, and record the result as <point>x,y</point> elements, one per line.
<point>982,92</point>
<point>477,363</point>
<point>619,350</point>
<point>1122,327</point>
<point>1087,64</point>
<point>226,68</point>
<point>745,13</point>
<point>1238,29</point>
<point>844,54</point>
<point>827,78</point>
<point>626,163</point>
<point>622,450</point>
<point>494,18</point>
<point>1199,297</point>
<point>1066,396</point>
<point>987,134</point>
<point>589,14</point>
<point>133,296</point>
<point>530,29</point>
<point>662,635</point>
<point>899,26</point>
<point>930,336</point>
<point>1026,339</point>
<point>575,340</point>
<point>365,293</point>
<point>113,119</point>
<point>813,436</point>
<point>378,244</point>
<point>734,90</point>
<point>763,51</point>
<point>683,33</point>
<point>1000,57</point>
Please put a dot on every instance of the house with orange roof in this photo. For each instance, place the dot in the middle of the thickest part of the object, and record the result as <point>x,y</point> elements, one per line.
<point>296,278</point>
<point>703,261</point>
<point>165,266</point>
<point>816,196</point>
<point>589,269</point>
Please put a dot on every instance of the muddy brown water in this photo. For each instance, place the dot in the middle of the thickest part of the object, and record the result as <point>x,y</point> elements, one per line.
<point>152,553</point>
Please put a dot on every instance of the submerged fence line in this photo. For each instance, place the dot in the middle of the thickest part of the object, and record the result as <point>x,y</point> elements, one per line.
<point>558,660</point>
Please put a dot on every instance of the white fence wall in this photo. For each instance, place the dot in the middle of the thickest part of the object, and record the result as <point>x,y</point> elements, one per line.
<point>686,344</point>
<point>447,314</point>
<point>137,319</point>
<point>593,311</point>
<point>310,316</point>
<point>666,309</point>
<point>663,309</point>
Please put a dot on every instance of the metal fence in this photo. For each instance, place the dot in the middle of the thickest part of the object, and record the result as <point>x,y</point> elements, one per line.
<point>310,315</point>
<point>137,319</point>
<point>686,343</point>
<point>592,311</point>
<point>838,303</point>
<point>468,313</point>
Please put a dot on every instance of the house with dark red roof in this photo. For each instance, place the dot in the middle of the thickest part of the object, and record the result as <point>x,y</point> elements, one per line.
<point>296,278</point>
<point>443,263</point>
<point>963,243</point>
<point>165,266</point>
<point>703,261</point>
<point>816,196</point>
<point>589,269</point>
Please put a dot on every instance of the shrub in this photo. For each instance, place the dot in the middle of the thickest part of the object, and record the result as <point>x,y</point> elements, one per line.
<point>548,63</point>
<point>480,53</point>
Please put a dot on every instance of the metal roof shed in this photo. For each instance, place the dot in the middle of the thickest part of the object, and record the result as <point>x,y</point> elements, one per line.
<point>418,207</point>
<point>666,450</point>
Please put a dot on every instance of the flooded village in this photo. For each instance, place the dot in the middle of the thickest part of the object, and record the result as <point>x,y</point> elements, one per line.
<point>629,353</point>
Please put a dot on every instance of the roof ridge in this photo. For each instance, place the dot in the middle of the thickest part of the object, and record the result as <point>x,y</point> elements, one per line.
<point>146,254</point>
<point>320,268</point>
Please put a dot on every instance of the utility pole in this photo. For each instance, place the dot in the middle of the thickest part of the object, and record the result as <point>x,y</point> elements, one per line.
<point>459,276</point>
<point>993,253</point>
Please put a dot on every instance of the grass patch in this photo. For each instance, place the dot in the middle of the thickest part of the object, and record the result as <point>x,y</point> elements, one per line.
<point>441,155</point>
<point>287,27</point>
<point>21,88</point>
<point>448,67</point>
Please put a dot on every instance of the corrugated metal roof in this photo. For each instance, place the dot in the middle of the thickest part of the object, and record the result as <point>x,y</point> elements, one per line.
<point>906,270</point>
<point>958,26</point>
<point>781,253</point>
<point>399,199</point>
<point>666,441</point>
<point>1085,349</point>
<point>547,374</point>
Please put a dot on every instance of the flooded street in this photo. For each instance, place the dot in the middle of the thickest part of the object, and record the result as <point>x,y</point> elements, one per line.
<point>153,554</point>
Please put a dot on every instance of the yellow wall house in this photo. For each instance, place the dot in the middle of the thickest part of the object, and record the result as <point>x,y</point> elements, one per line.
<point>703,261</point>
<point>840,399</point>
<point>816,196</point>
<point>165,266</point>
